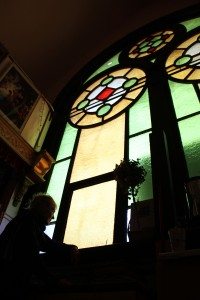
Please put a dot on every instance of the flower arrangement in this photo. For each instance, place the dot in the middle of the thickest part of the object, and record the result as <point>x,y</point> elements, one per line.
<point>130,175</point>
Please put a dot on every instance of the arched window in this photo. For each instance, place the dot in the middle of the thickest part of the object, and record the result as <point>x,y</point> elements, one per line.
<point>138,99</point>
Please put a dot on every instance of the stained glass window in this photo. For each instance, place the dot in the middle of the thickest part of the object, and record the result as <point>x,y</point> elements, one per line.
<point>141,102</point>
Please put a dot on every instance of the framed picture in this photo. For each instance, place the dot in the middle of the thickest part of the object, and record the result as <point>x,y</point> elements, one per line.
<point>17,96</point>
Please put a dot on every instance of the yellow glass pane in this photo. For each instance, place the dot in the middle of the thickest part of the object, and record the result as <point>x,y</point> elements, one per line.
<point>91,216</point>
<point>182,73</point>
<point>87,119</point>
<point>133,55</point>
<point>171,35</point>
<point>194,75</point>
<point>121,72</point>
<point>99,149</point>
<point>81,97</point>
<point>189,41</point>
<point>172,57</point>
<point>138,73</point>
<point>122,104</point>
<point>77,117</point>
<point>133,94</point>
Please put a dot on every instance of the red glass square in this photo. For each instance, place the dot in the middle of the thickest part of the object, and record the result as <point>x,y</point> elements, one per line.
<point>107,92</point>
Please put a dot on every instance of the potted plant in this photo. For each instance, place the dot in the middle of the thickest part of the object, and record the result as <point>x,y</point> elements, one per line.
<point>130,174</point>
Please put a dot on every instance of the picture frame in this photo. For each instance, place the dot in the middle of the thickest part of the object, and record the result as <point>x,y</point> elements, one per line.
<point>17,96</point>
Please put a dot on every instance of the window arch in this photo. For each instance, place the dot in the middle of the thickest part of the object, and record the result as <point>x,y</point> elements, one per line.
<point>138,100</point>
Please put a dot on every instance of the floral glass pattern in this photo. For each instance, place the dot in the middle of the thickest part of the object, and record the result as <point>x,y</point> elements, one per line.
<point>151,44</point>
<point>107,97</point>
<point>184,61</point>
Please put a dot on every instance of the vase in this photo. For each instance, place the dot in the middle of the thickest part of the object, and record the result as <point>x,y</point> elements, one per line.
<point>134,224</point>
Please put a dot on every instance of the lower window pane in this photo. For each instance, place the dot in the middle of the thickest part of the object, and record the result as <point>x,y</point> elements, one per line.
<point>189,129</point>
<point>91,216</point>
<point>139,147</point>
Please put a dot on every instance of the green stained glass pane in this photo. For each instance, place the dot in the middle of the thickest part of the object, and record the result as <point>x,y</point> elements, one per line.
<point>184,98</point>
<point>104,110</point>
<point>139,147</point>
<point>83,104</point>
<point>157,43</point>
<point>57,182</point>
<point>144,49</point>
<point>107,80</point>
<point>139,115</point>
<point>130,83</point>
<point>143,44</point>
<point>156,38</point>
<point>190,135</point>
<point>191,24</point>
<point>114,61</point>
<point>67,143</point>
<point>184,60</point>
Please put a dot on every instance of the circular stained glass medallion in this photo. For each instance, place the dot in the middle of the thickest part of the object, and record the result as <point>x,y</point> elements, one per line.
<point>108,97</point>
<point>184,62</point>
<point>151,44</point>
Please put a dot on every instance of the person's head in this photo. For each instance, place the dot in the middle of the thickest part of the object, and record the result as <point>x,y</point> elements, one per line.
<point>43,206</point>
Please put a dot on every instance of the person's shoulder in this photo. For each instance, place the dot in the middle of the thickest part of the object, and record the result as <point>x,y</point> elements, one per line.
<point>22,218</point>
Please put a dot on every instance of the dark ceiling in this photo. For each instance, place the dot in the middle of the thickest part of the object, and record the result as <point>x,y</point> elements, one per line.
<point>53,39</point>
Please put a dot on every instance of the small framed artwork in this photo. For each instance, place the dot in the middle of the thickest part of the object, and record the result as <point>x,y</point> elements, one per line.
<point>17,96</point>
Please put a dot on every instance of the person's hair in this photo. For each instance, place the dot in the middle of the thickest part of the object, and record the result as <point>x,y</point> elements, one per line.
<point>40,199</point>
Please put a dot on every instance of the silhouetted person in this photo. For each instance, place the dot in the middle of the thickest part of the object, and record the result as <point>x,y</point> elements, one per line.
<point>20,246</point>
